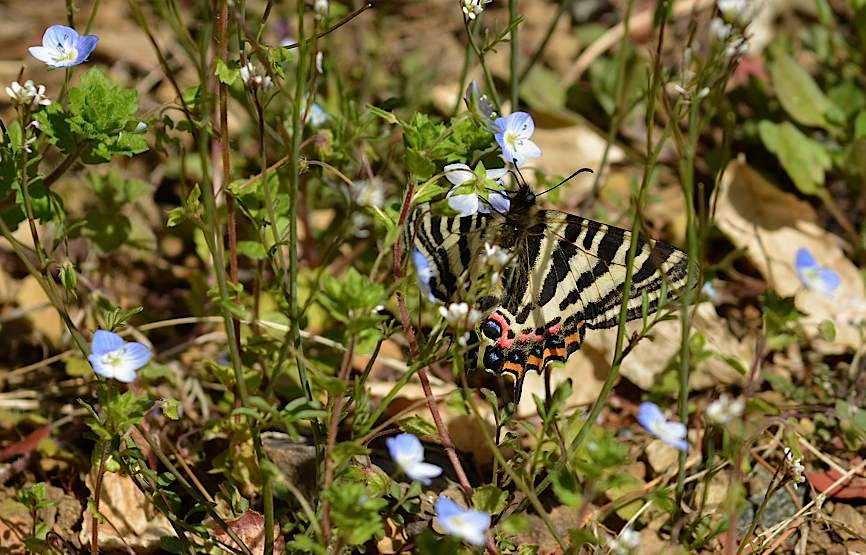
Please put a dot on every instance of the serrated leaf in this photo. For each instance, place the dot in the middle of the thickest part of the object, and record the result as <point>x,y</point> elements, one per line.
<point>798,93</point>
<point>418,426</point>
<point>227,74</point>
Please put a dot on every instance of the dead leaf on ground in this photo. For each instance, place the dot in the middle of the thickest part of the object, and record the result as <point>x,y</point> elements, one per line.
<point>131,519</point>
<point>771,225</point>
<point>250,529</point>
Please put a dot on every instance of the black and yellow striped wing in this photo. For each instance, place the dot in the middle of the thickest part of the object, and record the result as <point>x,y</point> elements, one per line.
<point>565,275</point>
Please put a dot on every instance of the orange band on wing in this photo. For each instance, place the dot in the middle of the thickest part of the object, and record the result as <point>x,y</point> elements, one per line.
<point>554,352</point>
<point>514,368</point>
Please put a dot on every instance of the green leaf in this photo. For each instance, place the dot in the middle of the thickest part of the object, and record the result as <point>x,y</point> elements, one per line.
<point>227,74</point>
<point>799,94</point>
<point>804,159</point>
<point>542,89</point>
<point>490,499</point>
<point>418,426</point>
<point>567,488</point>
<point>106,231</point>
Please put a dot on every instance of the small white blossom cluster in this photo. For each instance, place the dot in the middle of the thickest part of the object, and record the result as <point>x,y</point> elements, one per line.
<point>626,542</point>
<point>737,11</point>
<point>494,258</point>
<point>794,468</point>
<point>736,43</point>
<point>724,409</point>
<point>473,8</point>
<point>320,7</point>
<point>27,95</point>
<point>253,78</point>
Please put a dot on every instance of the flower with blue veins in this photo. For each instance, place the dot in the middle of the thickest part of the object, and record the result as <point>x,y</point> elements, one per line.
<point>63,47</point>
<point>671,433</point>
<point>466,524</point>
<point>514,135</point>
<point>112,357</point>
<point>407,452</point>
<point>317,116</point>
<point>814,276</point>
<point>470,193</point>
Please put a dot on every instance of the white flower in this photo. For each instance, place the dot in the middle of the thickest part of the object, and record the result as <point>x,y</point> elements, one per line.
<point>408,453</point>
<point>672,433</point>
<point>473,8</point>
<point>721,29</point>
<point>369,193</point>
<point>27,94</point>
<point>253,78</point>
<point>467,524</point>
<point>627,541</point>
<point>468,203</point>
<point>140,127</point>
<point>495,257</point>
<point>455,313</point>
<point>112,357</point>
<point>319,57</point>
<point>320,7</point>
<point>463,340</point>
<point>794,468</point>
<point>514,135</point>
<point>723,409</point>
<point>739,11</point>
<point>63,47</point>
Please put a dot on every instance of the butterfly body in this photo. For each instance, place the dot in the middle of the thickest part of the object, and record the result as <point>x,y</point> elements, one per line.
<point>564,274</point>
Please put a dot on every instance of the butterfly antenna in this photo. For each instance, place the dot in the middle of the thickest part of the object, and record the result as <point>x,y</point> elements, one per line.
<point>520,180</point>
<point>566,180</point>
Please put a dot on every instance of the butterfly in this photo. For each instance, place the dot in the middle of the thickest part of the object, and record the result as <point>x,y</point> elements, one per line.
<point>564,275</point>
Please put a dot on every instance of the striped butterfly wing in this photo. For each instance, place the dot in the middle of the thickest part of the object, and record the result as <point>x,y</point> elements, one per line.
<point>450,245</point>
<point>568,276</point>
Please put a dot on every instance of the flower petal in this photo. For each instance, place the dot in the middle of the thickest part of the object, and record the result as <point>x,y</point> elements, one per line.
<point>496,174</point>
<point>105,371</point>
<point>424,272</point>
<point>42,54</point>
<point>105,341</point>
<point>804,259</point>
<point>649,414</point>
<point>423,472</point>
<point>458,174</point>
<point>521,123</point>
<point>465,205</point>
<point>446,507</point>
<point>85,46</point>
<point>136,355</point>
<point>59,36</point>
<point>829,281</point>
<point>500,202</point>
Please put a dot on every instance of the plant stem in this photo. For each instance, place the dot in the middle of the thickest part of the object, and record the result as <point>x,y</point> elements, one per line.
<point>563,5</point>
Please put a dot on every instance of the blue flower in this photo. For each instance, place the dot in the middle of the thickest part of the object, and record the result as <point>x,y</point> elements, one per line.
<point>112,357</point>
<point>407,452</point>
<point>63,47</point>
<point>672,433</point>
<point>467,524</point>
<point>424,272</point>
<point>814,276</point>
<point>317,116</point>
<point>514,135</point>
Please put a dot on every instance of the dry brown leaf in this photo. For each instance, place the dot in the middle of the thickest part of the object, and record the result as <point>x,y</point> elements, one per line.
<point>649,359</point>
<point>567,149</point>
<point>661,457</point>
<point>771,225</point>
<point>131,519</point>
<point>250,528</point>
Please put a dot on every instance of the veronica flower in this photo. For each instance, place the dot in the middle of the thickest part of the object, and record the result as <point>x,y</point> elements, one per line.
<point>794,468</point>
<point>514,135</point>
<point>464,197</point>
<point>407,452</point>
<point>627,541</point>
<point>467,524</point>
<point>317,116</point>
<point>63,47</point>
<point>424,272</point>
<point>112,357</point>
<point>672,433</point>
<point>814,276</point>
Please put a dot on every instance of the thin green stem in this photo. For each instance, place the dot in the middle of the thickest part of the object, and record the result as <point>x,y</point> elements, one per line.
<point>92,17</point>
<point>488,76</point>
<point>563,5</point>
